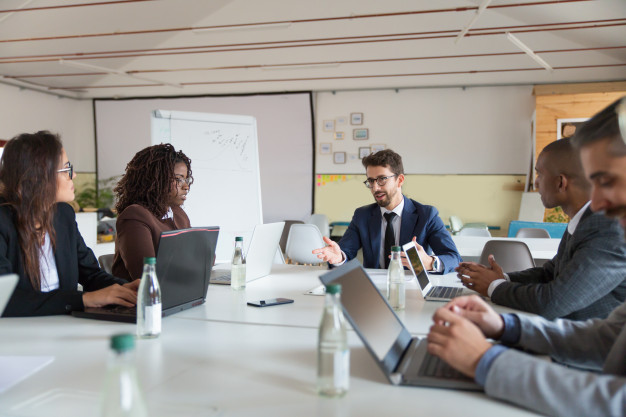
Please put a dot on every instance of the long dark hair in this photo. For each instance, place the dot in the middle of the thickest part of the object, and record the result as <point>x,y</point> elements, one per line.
<point>28,178</point>
<point>149,177</point>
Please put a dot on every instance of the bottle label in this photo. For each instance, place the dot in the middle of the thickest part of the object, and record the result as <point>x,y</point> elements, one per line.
<point>342,369</point>
<point>152,315</point>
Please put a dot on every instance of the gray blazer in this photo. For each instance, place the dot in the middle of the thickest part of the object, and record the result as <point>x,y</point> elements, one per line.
<point>553,389</point>
<point>586,279</point>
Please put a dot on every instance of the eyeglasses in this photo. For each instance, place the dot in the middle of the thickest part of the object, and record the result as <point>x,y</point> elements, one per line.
<point>369,183</point>
<point>69,170</point>
<point>180,181</point>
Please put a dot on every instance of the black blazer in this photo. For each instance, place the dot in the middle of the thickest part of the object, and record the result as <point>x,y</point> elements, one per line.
<point>76,263</point>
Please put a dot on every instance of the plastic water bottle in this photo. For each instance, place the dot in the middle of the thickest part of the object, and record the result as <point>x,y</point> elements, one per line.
<point>121,396</point>
<point>333,355</point>
<point>238,266</point>
<point>149,301</point>
<point>395,281</point>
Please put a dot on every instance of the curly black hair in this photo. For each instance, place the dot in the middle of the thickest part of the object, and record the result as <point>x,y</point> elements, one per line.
<point>149,177</point>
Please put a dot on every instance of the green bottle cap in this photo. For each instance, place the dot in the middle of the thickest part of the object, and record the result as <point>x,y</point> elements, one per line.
<point>333,289</point>
<point>239,239</point>
<point>149,260</point>
<point>123,342</point>
<point>396,249</point>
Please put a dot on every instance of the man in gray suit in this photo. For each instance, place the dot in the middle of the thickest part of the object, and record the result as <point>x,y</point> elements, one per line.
<point>586,278</point>
<point>459,329</point>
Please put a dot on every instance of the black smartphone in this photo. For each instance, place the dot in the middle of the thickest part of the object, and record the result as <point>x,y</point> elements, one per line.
<point>270,302</point>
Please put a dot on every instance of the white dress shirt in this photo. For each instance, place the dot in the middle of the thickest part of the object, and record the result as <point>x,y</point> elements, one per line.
<point>48,267</point>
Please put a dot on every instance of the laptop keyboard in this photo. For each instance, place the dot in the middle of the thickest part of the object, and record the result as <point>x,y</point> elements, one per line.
<point>445,292</point>
<point>224,277</point>
<point>432,366</point>
<point>121,309</point>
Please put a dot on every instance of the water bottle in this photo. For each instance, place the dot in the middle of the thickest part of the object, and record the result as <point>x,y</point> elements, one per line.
<point>333,355</point>
<point>149,301</point>
<point>395,280</point>
<point>238,266</point>
<point>121,396</point>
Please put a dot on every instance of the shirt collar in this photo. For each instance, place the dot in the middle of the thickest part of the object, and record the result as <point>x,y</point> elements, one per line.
<point>169,214</point>
<point>397,210</point>
<point>573,223</point>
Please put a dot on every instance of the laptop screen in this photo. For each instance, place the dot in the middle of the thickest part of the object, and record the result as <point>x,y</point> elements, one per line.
<point>367,309</point>
<point>416,263</point>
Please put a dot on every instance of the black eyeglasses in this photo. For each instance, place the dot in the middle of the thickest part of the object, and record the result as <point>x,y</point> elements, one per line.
<point>69,170</point>
<point>369,183</point>
<point>180,181</point>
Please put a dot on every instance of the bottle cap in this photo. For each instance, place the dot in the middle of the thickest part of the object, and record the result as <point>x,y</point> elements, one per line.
<point>396,248</point>
<point>239,239</point>
<point>333,289</point>
<point>123,342</point>
<point>149,260</point>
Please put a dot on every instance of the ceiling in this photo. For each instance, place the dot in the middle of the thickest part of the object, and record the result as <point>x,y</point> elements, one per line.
<point>185,47</point>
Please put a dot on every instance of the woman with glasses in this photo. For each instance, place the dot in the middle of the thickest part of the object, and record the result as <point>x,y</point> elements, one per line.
<point>149,200</point>
<point>39,239</point>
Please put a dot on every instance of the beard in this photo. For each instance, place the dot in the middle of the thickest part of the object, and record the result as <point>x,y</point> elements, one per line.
<point>618,213</point>
<point>385,201</point>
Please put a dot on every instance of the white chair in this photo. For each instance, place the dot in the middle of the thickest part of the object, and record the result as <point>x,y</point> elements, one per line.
<point>303,238</point>
<point>511,255</point>
<point>321,221</point>
<point>456,224</point>
<point>106,262</point>
<point>532,232</point>
<point>475,231</point>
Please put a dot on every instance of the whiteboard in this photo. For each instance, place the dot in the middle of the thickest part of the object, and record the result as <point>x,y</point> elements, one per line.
<point>225,165</point>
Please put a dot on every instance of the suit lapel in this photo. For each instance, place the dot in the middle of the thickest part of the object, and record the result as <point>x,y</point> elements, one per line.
<point>408,221</point>
<point>374,229</point>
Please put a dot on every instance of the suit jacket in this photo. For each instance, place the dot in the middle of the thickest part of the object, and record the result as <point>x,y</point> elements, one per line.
<point>554,389</point>
<point>586,278</point>
<point>138,235</point>
<point>418,220</point>
<point>76,264</point>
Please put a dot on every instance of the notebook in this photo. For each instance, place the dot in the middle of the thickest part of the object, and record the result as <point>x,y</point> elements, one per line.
<point>430,292</point>
<point>7,285</point>
<point>260,256</point>
<point>402,358</point>
<point>183,264</point>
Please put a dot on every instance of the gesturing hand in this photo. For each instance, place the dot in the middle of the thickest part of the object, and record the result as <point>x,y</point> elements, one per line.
<point>331,253</point>
<point>477,277</point>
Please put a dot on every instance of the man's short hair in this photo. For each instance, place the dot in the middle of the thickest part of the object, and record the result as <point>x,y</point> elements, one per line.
<point>603,126</point>
<point>564,159</point>
<point>386,157</point>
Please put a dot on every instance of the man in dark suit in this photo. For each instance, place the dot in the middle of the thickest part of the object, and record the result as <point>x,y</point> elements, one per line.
<point>392,221</point>
<point>586,278</point>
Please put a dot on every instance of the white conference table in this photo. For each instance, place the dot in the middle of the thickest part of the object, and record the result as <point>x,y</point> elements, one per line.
<point>470,247</point>
<point>223,359</point>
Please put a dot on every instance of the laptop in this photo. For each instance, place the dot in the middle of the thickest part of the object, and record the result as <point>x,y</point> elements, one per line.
<point>260,255</point>
<point>7,285</point>
<point>183,265</point>
<point>430,292</point>
<point>402,358</point>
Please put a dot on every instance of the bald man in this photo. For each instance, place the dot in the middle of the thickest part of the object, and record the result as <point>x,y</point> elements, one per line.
<point>586,278</point>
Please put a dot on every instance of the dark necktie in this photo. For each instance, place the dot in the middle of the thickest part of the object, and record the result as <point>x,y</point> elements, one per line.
<point>390,237</point>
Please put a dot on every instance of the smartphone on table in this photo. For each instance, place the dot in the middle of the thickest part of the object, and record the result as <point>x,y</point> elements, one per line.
<point>270,302</point>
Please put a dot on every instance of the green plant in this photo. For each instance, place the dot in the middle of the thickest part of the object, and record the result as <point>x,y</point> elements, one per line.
<point>101,198</point>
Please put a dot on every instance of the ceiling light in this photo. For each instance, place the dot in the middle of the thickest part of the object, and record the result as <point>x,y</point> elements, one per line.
<point>529,52</point>
<point>480,11</point>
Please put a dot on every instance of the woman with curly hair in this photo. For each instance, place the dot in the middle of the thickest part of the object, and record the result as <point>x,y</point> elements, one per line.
<point>39,239</point>
<point>149,200</point>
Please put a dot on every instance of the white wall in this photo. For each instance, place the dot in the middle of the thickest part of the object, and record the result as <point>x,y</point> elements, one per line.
<point>26,111</point>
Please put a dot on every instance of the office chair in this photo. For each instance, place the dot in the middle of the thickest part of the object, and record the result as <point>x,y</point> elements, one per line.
<point>532,232</point>
<point>455,225</point>
<point>303,238</point>
<point>321,221</point>
<point>474,231</point>
<point>106,262</point>
<point>511,255</point>
<point>285,235</point>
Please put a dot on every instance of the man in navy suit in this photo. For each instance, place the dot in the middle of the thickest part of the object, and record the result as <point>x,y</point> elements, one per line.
<point>392,221</point>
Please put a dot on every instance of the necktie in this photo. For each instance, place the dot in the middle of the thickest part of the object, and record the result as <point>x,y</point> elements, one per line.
<point>390,237</point>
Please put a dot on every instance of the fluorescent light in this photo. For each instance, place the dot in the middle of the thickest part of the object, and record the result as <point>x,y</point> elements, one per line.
<point>300,66</point>
<point>279,25</point>
<point>480,11</point>
<point>96,68</point>
<point>529,51</point>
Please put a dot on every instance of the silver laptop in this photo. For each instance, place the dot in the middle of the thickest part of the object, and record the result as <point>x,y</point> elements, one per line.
<point>429,291</point>
<point>7,285</point>
<point>402,358</point>
<point>260,255</point>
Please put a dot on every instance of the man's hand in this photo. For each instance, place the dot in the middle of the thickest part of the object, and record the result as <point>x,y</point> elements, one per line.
<point>476,310</point>
<point>124,295</point>
<point>427,260</point>
<point>457,341</point>
<point>331,253</point>
<point>477,277</point>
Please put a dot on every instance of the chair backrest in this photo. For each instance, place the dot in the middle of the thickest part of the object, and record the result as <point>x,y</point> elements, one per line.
<point>511,255</point>
<point>475,231</point>
<point>106,262</point>
<point>285,235</point>
<point>532,232</point>
<point>303,238</point>
<point>455,224</point>
<point>321,221</point>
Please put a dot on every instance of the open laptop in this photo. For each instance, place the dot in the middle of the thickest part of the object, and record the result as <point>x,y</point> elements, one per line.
<point>183,264</point>
<point>402,358</point>
<point>7,285</point>
<point>429,291</point>
<point>260,255</point>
